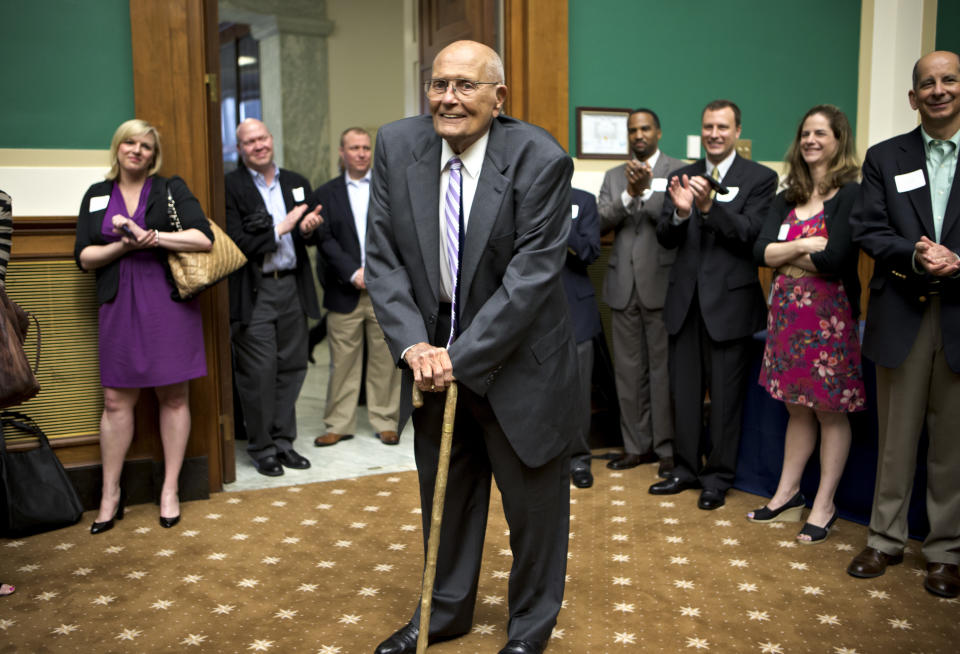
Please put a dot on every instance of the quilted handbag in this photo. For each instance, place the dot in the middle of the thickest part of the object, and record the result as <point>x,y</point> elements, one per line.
<point>36,493</point>
<point>193,272</point>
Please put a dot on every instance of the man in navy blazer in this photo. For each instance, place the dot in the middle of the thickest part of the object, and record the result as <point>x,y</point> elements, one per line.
<point>908,219</point>
<point>583,248</point>
<point>351,322</point>
<point>512,351</point>
<point>270,297</point>
<point>714,302</point>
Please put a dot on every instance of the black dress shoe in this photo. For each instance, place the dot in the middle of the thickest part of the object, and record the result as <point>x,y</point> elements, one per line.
<point>107,525</point>
<point>291,459</point>
<point>672,486</point>
<point>403,641</point>
<point>269,466</point>
<point>711,498</point>
<point>166,523</point>
<point>631,461</point>
<point>582,477</point>
<point>872,563</point>
<point>522,647</point>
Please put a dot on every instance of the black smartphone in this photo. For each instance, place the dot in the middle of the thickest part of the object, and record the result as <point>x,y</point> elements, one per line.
<point>717,186</point>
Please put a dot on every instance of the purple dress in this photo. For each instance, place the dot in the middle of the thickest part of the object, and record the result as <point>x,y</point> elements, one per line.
<point>146,339</point>
<point>812,357</point>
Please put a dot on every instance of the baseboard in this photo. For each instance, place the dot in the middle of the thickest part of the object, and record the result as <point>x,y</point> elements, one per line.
<point>142,480</point>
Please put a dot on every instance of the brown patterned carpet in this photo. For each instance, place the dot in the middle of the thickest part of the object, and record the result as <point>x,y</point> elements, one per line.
<point>334,567</point>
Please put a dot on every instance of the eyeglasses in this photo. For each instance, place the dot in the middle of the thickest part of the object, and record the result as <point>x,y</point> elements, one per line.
<point>461,87</point>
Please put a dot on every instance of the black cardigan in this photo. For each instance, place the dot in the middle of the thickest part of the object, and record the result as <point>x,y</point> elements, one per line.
<point>89,225</point>
<point>840,256</point>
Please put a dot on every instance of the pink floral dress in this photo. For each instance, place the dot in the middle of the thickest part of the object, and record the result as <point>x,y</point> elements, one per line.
<point>812,356</point>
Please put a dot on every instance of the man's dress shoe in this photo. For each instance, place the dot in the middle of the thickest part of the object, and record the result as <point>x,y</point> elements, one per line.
<point>581,476</point>
<point>269,466</point>
<point>672,486</point>
<point>943,579</point>
<point>331,438</point>
<point>388,437</point>
<point>872,563</point>
<point>711,498</point>
<point>631,461</point>
<point>291,459</point>
<point>403,641</point>
<point>522,647</point>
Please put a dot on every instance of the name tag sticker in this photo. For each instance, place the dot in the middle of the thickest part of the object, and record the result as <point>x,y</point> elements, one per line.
<point>658,184</point>
<point>298,194</point>
<point>575,211</point>
<point>909,181</point>
<point>99,202</point>
<point>730,195</point>
<point>784,230</point>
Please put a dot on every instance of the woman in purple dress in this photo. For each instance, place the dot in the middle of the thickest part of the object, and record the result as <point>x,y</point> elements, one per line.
<point>147,340</point>
<point>812,356</point>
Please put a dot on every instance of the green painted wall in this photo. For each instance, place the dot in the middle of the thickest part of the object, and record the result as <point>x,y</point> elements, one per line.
<point>67,73</point>
<point>774,59</point>
<point>948,25</point>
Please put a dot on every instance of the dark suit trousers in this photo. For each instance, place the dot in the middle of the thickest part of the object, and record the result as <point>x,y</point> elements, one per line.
<point>271,355</point>
<point>536,503</point>
<point>698,363</point>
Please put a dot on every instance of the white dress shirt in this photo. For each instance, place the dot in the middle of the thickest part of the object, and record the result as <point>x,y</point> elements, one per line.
<point>358,192</point>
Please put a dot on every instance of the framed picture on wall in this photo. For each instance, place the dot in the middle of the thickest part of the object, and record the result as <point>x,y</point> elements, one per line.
<point>602,133</point>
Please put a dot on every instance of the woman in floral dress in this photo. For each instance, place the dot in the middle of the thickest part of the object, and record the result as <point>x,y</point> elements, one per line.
<point>812,356</point>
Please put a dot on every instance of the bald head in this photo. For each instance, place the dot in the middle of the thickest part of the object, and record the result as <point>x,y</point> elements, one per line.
<point>255,144</point>
<point>936,93</point>
<point>486,56</point>
<point>926,59</point>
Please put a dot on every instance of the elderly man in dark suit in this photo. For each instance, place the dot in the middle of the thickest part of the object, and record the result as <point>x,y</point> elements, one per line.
<point>270,297</point>
<point>908,219</point>
<point>351,323</point>
<point>631,200</point>
<point>466,237</point>
<point>583,248</point>
<point>714,302</point>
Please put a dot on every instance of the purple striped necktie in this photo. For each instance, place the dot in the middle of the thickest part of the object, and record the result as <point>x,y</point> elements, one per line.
<point>452,204</point>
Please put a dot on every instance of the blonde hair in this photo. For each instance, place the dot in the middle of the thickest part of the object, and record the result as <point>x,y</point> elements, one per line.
<point>134,127</point>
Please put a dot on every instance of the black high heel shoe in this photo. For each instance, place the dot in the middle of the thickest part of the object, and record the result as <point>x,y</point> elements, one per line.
<point>100,527</point>
<point>816,534</point>
<point>789,512</point>
<point>166,523</point>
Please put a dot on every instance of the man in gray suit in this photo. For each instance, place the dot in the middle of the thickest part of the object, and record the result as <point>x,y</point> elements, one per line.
<point>472,292</point>
<point>635,287</point>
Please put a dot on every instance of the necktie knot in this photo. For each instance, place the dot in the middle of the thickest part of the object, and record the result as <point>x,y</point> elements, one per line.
<point>455,163</point>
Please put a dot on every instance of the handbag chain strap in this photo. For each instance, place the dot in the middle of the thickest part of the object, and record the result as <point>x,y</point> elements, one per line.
<point>172,212</point>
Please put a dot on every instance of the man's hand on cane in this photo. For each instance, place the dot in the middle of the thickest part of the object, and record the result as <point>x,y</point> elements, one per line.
<point>431,366</point>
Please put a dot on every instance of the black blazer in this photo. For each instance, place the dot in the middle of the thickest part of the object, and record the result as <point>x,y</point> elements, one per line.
<point>583,248</point>
<point>339,243</point>
<point>90,223</point>
<point>715,255</point>
<point>840,256</point>
<point>243,198</point>
<point>886,224</point>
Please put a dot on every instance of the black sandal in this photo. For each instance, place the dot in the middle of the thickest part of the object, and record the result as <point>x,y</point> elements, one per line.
<point>789,512</point>
<point>816,534</point>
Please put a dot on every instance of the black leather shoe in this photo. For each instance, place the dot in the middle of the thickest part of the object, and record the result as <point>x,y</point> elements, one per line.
<point>943,579</point>
<point>403,641</point>
<point>269,466</point>
<point>582,477</point>
<point>107,525</point>
<point>711,498</point>
<point>672,486</point>
<point>291,459</point>
<point>166,523</point>
<point>631,461</point>
<point>522,647</point>
<point>872,563</point>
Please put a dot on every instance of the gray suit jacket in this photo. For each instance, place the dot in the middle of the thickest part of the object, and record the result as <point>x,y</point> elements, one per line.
<point>516,345</point>
<point>637,258</point>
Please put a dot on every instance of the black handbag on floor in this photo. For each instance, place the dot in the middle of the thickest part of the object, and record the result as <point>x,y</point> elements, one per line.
<point>37,496</point>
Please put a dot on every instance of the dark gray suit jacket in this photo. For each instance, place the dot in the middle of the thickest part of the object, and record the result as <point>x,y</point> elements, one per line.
<point>637,258</point>
<point>516,346</point>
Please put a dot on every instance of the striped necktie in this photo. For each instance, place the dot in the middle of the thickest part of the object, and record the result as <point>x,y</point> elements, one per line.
<point>453,220</point>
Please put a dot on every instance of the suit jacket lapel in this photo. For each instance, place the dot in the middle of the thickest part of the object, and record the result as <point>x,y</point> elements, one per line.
<point>912,158</point>
<point>952,215</point>
<point>486,205</point>
<point>423,187</point>
<point>341,197</point>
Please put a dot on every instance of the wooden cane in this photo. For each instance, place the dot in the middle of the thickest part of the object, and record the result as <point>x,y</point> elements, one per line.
<point>436,515</point>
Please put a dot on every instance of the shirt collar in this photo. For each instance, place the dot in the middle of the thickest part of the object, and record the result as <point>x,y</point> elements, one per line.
<point>927,139</point>
<point>652,159</point>
<point>724,165</point>
<point>356,182</point>
<point>471,158</point>
<point>258,177</point>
